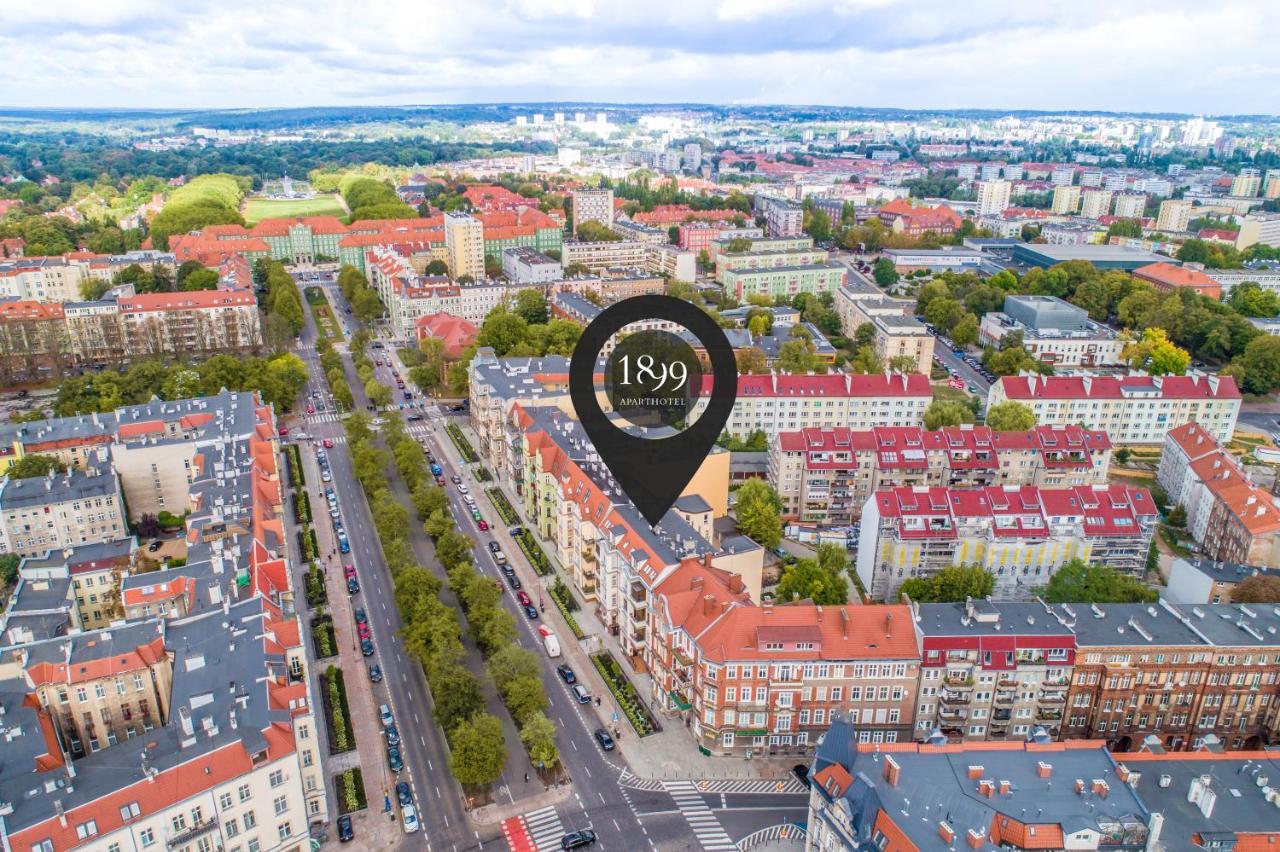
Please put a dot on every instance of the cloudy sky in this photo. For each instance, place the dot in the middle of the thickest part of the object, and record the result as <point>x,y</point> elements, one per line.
<point>1216,57</point>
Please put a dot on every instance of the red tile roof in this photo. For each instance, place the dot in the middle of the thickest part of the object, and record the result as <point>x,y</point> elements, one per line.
<point>1113,387</point>
<point>456,332</point>
<point>180,301</point>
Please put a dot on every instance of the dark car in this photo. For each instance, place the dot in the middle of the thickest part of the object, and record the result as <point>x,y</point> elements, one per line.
<point>393,735</point>
<point>394,760</point>
<point>531,611</point>
<point>801,772</point>
<point>494,547</point>
<point>345,832</point>
<point>366,647</point>
<point>154,546</point>
<point>602,737</point>
<point>403,793</point>
<point>414,418</point>
<point>578,839</point>
<point>566,673</point>
<point>514,532</point>
<point>430,458</point>
<point>361,616</point>
<point>353,586</point>
<point>513,581</point>
<point>456,480</point>
<point>375,673</point>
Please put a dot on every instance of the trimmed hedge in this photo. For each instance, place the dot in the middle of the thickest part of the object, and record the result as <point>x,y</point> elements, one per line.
<point>350,786</point>
<point>482,474</point>
<point>336,712</point>
<point>460,441</point>
<point>533,552</point>
<point>302,507</point>
<point>296,476</point>
<point>566,604</point>
<point>317,594</point>
<point>625,694</point>
<point>311,548</point>
<point>322,638</point>
<point>503,505</point>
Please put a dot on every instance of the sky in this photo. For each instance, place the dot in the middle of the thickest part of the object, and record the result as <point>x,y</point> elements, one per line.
<point>1197,57</point>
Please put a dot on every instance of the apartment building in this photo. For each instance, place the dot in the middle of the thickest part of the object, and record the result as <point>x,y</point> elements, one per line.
<point>464,245</point>
<point>495,386</point>
<point>784,402</point>
<point>1021,534</point>
<point>1095,203</point>
<point>701,236</point>
<point>763,679</point>
<point>592,205</point>
<point>631,254</point>
<point>898,334</point>
<point>1066,200</point>
<point>526,266</point>
<point>1230,518</point>
<point>991,670</point>
<point>902,217</point>
<point>1258,228</point>
<point>1033,795</point>
<point>993,196</point>
<point>754,258</point>
<point>1130,205</point>
<point>782,217</point>
<point>1053,331</point>
<point>825,476</point>
<point>784,282</point>
<point>61,511</point>
<point>1132,409</point>
<point>196,323</point>
<point>1172,676</point>
<point>191,729</point>
<point>1203,581</point>
<point>59,279</point>
<point>91,574</point>
<point>1174,215</point>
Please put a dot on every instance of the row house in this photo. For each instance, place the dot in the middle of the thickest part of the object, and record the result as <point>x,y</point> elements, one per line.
<point>1135,409</point>
<point>826,475</point>
<point>756,680</point>
<point>494,386</point>
<point>785,402</point>
<point>61,278</point>
<point>1230,518</point>
<point>991,671</point>
<point>1172,676</point>
<point>1021,534</point>
<point>61,511</point>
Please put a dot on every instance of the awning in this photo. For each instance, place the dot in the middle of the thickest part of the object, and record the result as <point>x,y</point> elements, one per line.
<point>678,701</point>
<point>752,732</point>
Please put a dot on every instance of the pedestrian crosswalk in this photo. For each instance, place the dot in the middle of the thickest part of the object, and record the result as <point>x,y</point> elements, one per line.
<point>706,828</point>
<point>538,830</point>
<point>324,417</point>
<point>717,785</point>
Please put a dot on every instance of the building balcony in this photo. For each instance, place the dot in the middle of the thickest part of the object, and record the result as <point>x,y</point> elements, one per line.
<point>1053,698</point>
<point>952,714</point>
<point>1055,683</point>
<point>1007,680</point>
<point>1051,714</point>
<point>958,680</point>
<point>954,697</point>
<point>190,834</point>
<point>637,592</point>
<point>1004,699</point>
<point>1001,716</point>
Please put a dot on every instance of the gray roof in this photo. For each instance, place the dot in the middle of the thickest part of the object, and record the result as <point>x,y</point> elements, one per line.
<point>1227,625</point>
<point>1139,625</point>
<point>987,618</point>
<point>1228,572</point>
<point>512,378</point>
<point>75,484</point>
<point>43,595</point>
<point>1239,807</point>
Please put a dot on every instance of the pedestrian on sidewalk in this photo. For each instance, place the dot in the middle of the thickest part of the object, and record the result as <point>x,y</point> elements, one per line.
<point>526,778</point>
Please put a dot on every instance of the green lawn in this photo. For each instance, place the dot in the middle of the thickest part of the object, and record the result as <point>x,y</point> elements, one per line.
<point>257,209</point>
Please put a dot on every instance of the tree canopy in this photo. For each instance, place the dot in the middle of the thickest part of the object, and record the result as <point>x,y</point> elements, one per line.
<point>1079,582</point>
<point>953,583</point>
<point>759,512</point>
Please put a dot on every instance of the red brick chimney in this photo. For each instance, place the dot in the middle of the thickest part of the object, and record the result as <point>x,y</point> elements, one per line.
<point>1044,770</point>
<point>892,771</point>
<point>1122,772</point>
<point>1101,788</point>
<point>946,832</point>
<point>1005,787</point>
<point>708,604</point>
<point>986,787</point>
<point>976,838</point>
<point>975,772</point>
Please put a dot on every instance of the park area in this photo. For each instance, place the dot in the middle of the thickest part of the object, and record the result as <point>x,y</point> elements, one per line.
<point>257,209</point>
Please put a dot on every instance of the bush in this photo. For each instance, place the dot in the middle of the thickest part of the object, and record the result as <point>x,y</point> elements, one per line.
<point>302,507</point>
<point>566,603</point>
<point>337,714</point>
<point>482,475</point>
<point>317,594</point>
<point>625,694</point>
<point>322,638</point>
<point>312,549</point>
<point>503,505</point>
<point>294,455</point>
<point>460,441</point>
<point>533,552</point>
<point>350,786</point>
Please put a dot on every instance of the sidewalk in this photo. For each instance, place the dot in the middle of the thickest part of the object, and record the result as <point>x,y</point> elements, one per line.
<point>670,754</point>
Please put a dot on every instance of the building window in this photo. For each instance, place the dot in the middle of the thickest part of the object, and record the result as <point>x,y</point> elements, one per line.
<point>285,831</point>
<point>281,804</point>
<point>146,837</point>
<point>243,792</point>
<point>129,811</point>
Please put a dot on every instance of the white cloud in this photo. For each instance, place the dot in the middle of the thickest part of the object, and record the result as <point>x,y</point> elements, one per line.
<point>1058,54</point>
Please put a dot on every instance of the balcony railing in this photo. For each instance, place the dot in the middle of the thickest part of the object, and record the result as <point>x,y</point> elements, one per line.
<point>952,714</point>
<point>959,680</point>
<point>190,834</point>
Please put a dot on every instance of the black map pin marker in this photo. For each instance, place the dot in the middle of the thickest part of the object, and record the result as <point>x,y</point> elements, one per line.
<point>652,379</point>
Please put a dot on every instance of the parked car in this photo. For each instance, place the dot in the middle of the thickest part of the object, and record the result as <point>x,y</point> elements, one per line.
<point>566,673</point>
<point>513,581</point>
<point>366,647</point>
<point>361,615</point>
<point>353,586</point>
<point>523,597</point>
<point>362,630</point>
<point>494,547</point>
<point>456,480</point>
<point>393,735</point>
<point>462,488</point>
<point>404,793</point>
<point>154,546</point>
<point>375,673</point>
<point>602,737</point>
<point>578,839</point>
<point>345,832</point>
<point>483,526</point>
<point>409,817</point>
<point>394,761</point>
<point>349,571</point>
<point>384,715</point>
<point>531,611</point>
<point>581,693</point>
<point>414,418</point>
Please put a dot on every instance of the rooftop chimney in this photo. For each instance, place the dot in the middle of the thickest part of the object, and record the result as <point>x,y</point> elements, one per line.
<point>1005,787</point>
<point>891,770</point>
<point>1044,770</point>
<point>975,772</point>
<point>946,832</point>
<point>1101,788</point>
<point>986,787</point>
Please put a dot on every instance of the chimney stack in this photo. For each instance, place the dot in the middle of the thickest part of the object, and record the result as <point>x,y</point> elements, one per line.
<point>976,838</point>
<point>892,772</point>
<point>1079,787</point>
<point>946,832</point>
<point>986,787</point>
<point>975,772</point>
<point>1044,770</point>
<point>1101,788</point>
<point>1005,787</point>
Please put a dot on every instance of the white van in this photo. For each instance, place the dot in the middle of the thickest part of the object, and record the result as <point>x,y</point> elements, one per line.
<point>552,645</point>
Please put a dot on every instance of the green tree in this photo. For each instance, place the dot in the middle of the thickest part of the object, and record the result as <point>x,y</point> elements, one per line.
<point>378,393</point>
<point>863,335</point>
<point>1078,582</point>
<point>457,694</point>
<point>478,751</point>
<point>1010,416</point>
<point>1249,299</point>
<point>437,267</point>
<point>953,583</point>
<point>9,568</point>
<point>1260,588</point>
<point>503,331</point>
<point>1177,517</point>
<point>885,273</point>
<point>1260,362</point>
<point>965,331</point>
<point>203,279</point>
<point>866,361</point>
<point>799,356</point>
<point>759,512</point>
<point>532,307</point>
<point>805,579</point>
<point>945,412</point>
<point>35,465</point>
<point>592,231</point>
<point>539,737</point>
<point>1156,354</point>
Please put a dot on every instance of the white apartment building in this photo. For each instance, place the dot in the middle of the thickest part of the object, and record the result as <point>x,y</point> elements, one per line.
<point>1095,203</point>
<point>1133,409</point>
<point>592,205</point>
<point>1175,215</point>
<point>1066,200</point>
<point>61,511</point>
<point>993,196</point>
<point>464,245</point>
